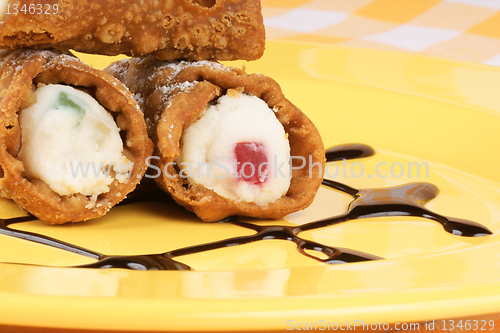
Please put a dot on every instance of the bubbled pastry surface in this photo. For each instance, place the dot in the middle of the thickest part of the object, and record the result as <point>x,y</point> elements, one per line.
<point>166,29</point>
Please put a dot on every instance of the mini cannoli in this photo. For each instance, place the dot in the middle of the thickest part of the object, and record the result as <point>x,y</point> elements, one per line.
<point>166,29</point>
<point>73,141</point>
<point>226,142</point>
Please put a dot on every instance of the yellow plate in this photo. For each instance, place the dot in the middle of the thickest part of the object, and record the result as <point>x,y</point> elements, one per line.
<point>440,114</point>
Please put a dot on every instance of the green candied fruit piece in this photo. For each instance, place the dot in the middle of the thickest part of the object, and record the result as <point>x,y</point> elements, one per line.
<point>65,101</point>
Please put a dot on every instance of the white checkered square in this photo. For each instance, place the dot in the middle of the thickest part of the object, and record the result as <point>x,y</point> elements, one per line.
<point>413,38</point>
<point>305,20</point>
<point>494,4</point>
<point>453,16</point>
<point>495,61</point>
<point>468,47</point>
<point>337,5</point>
<point>356,27</point>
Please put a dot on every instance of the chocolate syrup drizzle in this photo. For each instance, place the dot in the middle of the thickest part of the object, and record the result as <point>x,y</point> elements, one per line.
<point>403,200</point>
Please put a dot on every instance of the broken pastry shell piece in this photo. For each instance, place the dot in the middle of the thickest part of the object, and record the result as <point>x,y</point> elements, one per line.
<point>24,74</point>
<point>166,29</point>
<point>175,95</point>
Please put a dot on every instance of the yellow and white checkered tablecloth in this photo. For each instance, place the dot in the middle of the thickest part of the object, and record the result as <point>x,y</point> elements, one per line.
<point>466,30</point>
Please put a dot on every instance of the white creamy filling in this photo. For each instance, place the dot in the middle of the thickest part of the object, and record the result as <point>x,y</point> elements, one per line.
<point>71,142</point>
<point>208,149</point>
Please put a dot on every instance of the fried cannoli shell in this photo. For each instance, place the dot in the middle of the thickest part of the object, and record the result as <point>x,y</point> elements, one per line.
<point>21,71</point>
<point>175,94</point>
<point>166,29</point>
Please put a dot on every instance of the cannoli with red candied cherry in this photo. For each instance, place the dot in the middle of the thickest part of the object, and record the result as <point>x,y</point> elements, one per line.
<point>226,142</point>
<point>166,29</point>
<point>73,142</point>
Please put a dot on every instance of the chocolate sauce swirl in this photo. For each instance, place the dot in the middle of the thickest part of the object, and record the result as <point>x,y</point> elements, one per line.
<point>403,200</point>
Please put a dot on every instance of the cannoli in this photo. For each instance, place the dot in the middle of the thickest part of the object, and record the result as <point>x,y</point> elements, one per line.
<point>166,29</point>
<point>226,142</point>
<point>73,141</point>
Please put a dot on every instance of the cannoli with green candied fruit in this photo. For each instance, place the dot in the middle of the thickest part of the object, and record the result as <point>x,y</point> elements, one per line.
<point>73,142</point>
<point>166,29</point>
<point>226,142</point>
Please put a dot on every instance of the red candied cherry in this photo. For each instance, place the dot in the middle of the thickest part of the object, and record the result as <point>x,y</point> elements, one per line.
<point>250,157</point>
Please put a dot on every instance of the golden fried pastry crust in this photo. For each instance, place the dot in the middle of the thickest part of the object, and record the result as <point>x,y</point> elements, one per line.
<point>166,29</point>
<point>175,94</point>
<point>20,72</point>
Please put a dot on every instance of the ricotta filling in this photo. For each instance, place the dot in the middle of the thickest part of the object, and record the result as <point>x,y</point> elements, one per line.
<point>71,143</point>
<point>238,149</point>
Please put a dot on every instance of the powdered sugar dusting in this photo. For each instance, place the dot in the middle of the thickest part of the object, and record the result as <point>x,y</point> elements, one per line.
<point>66,61</point>
<point>23,55</point>
<point>169,92</point>
<point>176,88</point>
<point>177,66</point>
<point>172,88</point>
<point>118,69</point>
<point>138,98</point>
